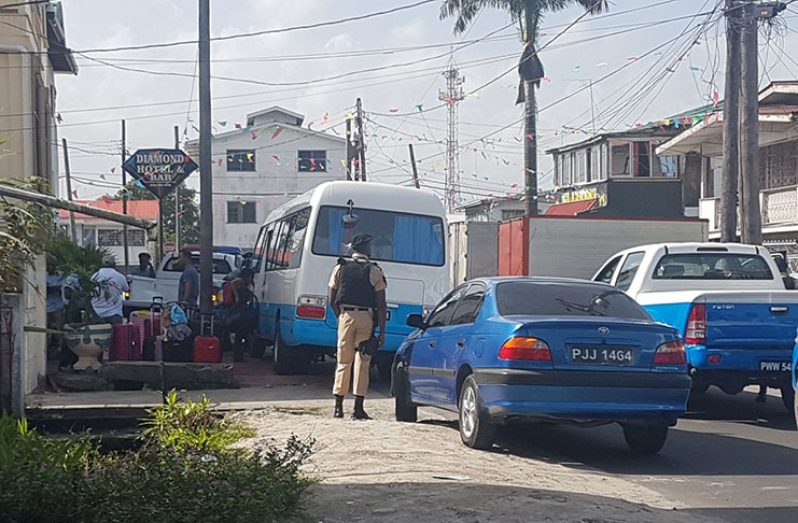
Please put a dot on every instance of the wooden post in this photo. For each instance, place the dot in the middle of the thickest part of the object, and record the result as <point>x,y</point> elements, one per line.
<point>205,163</point>
<point>413,163</point>
<point>124,200</point>
<point>72,227</point>
<point>349,149</point>
<point>751,228</point>
<point>361,153</point>
<point>177,198</point>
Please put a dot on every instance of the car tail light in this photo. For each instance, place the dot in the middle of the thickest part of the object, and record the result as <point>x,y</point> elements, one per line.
<point>714,359</point>
<point>525,349</point>
<point>696,332</point>
<point>311,307</point>
<point>671,353</point>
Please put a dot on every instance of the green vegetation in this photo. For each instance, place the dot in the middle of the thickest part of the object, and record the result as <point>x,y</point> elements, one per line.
<point>184,472</point>
<point>79,262</point>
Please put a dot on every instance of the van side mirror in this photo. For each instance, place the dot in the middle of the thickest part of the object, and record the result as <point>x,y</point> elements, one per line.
<point>416,321</point>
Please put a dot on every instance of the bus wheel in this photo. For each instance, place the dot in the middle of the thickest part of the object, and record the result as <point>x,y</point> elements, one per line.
<point>257,347</point>
<point>283,361</point>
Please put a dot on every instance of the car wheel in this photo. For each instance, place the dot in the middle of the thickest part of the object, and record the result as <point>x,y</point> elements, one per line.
<point>476,430</point>
<point>405,409</point>
<point>788,397</point>
<point>283,360</point>
<point>645,440</point>
<point>384,365</point>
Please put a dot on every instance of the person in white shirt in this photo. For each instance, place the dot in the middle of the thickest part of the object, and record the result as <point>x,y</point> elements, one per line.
<point>109,295</point>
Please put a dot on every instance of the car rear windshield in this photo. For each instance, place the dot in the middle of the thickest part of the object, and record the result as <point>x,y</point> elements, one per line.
<point>561,299</point>
<point>712,266</point>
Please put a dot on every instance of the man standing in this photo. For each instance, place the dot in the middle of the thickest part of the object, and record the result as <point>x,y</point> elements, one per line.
<point>145,267</point>
<point>108,298</point>
<point>188,288</point>
<point>357,297</point>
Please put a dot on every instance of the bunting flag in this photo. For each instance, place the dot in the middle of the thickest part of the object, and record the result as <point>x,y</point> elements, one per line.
<point>75,193</point>
<point>312,164</point>
<point>251,157</point>
<point>102,177</point>
<point>277,132</point>
<point>195,128</point>
<point>336,133</point>
<point>238,126</point>
<point>530,137</point>
<point>602,64</point>
<point>254,136</point>
<point>420,107</point>
<point>310,125</point>
<point>276,159</point>
<point>633,58</point>
<point>220,162</point>
<point>113,170</point>
<point>695,68</point>
<point>223,123</point>
<point>393,110</point>
<point>325,118</point>
<point>715,97</point>
<point>343,163</point>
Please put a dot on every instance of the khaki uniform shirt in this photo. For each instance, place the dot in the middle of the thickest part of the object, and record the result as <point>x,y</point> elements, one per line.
<point>376,276</point>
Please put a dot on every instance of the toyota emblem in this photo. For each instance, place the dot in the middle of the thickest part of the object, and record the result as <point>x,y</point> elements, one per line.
<point>604,330</point>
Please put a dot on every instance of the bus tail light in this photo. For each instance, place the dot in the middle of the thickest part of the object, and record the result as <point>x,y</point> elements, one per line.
<point>525,349</point>
<point>311,307</point>
<point>696,332</point>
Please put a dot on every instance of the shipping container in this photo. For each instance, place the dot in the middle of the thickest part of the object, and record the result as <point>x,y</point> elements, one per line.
<point>473,250</point>
<point>576,247</point>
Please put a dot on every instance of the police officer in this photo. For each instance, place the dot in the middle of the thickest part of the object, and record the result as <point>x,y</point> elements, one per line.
<point>357,296</point>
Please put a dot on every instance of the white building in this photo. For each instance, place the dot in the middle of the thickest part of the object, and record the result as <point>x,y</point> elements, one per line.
<point>261,166</point>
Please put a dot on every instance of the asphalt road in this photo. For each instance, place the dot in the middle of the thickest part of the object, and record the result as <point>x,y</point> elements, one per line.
<point>731,458</point>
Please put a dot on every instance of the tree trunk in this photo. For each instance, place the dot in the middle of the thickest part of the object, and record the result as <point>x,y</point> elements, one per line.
<point>530,150</point>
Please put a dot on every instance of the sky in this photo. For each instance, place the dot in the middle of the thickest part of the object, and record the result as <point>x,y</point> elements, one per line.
<point>642,61</point>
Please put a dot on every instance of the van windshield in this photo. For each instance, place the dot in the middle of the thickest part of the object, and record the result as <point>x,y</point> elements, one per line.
<point>712,266</point>
<point>398,237</point>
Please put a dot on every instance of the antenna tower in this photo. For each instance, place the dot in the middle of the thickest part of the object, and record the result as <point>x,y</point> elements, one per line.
<point>453,95</point>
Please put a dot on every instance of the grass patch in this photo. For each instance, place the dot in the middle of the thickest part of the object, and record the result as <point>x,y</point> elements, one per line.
<point>184,472</point>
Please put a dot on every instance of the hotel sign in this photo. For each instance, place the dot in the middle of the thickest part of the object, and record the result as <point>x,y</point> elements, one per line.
<point>160,170</point>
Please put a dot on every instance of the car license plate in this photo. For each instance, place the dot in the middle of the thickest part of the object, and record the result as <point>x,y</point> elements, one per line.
<point>602,355</point>
<point>775,366</point>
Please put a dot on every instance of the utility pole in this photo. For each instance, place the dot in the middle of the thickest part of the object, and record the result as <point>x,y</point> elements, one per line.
<point>124,198</point>
<point>177,197</point>
<point>731,125</point>
<point>72,229</point>
<point>206,178</point>
<point>349,148</point>
<point>361,153</point>
<point>415,168</point>
<point>453,95</point>
<point>530,129</point>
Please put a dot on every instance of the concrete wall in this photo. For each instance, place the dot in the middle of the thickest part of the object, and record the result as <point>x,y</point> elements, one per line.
<point>275,180</point>
<point>27,146</point>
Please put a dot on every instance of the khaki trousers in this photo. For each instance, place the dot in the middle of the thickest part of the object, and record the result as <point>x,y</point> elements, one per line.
<point>354,327</point>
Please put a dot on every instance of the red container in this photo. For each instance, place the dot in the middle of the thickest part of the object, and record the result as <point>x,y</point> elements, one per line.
<point>126,344</point>
<point>207,349</point>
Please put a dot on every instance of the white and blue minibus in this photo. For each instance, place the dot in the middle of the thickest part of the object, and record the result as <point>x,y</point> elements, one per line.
<point>301,242</point>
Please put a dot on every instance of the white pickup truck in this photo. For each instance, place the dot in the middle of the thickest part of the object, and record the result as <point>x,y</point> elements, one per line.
<point>167,279</point>
<point>728,301</point>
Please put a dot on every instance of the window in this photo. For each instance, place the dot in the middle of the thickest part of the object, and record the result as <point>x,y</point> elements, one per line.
<point>109,237</point>
<point>135,238</point>
<point>241,160</point>
<point>594,168</point>
<point>296,240</point>
<point>469,307</point>
<point>620,158</point>
<point>89,237</point>
<point>581,166</point>
<point>443,312</point>
<point>629,270</point>
<point>241,212</point>
<point>220,265</point>
<point>260,245</point>
<point>398,237</point>
<point>565,299</point>
<point>509,214</point>
<point>311,161</point>
<point>712,266</point>
<point>277,257</point>
<point>642,159</point>
<point>606,274</point>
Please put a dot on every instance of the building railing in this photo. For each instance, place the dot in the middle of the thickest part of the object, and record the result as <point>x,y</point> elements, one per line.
<point>779,207</point>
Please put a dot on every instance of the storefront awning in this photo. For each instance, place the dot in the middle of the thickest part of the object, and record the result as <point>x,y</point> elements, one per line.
<point>570,208</point>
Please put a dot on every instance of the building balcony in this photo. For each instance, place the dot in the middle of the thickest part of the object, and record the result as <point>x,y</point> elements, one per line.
<point>779,209</point>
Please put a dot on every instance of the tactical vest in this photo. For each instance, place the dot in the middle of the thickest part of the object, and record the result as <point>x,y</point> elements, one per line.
<point>355,286</point>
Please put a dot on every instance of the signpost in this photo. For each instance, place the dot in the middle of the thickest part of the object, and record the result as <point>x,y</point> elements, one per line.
<point>160,171</point>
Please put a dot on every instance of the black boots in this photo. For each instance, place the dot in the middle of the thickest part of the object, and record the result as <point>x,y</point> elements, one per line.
<point>339,407</point>
<point>359,413</point>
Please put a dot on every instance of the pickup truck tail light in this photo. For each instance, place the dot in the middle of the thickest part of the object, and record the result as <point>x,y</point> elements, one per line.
<point>311,307</point>
<point>525,349</point>
<point>696,332</point>
<point>671,353</point>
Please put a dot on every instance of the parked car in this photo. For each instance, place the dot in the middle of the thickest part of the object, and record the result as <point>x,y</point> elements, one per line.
<point>729,303</point>
<point>795,378</point>
<point>501,349</point>
<point>167,278</point>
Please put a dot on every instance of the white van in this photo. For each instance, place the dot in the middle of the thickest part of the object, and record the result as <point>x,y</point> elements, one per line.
<point>301,241</point>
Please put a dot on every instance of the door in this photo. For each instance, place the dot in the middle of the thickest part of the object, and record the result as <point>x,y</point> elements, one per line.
<point>427,356</point>
<point>460,336</point>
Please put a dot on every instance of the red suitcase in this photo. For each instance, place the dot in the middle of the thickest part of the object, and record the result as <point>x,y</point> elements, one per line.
<point>126,345</point>
<point>207,349</point>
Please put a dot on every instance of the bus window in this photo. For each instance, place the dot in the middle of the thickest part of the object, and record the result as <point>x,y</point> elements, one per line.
<point>398,237</point>
<point>296,241</point>
<point>257,254</point>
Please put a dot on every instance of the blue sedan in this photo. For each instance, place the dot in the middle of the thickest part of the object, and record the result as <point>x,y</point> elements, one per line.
<point>497,350</point>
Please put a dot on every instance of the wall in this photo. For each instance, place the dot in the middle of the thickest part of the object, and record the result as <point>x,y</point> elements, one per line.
<point>26,148</point>
<point>275,180</point>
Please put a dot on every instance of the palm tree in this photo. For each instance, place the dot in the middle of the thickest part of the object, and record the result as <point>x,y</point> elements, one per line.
<point>528,13</point>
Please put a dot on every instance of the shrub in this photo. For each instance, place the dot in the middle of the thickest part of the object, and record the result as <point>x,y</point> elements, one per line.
<point>184,472</point>
<point>192,427</point>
